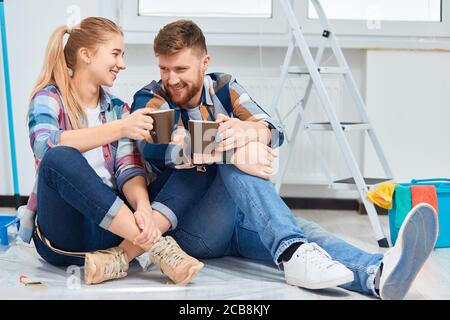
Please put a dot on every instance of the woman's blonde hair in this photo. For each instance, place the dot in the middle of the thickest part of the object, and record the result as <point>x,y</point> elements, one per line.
<point>59,59</point>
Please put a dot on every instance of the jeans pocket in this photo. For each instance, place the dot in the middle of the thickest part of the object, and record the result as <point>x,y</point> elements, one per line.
<point>191,244</point>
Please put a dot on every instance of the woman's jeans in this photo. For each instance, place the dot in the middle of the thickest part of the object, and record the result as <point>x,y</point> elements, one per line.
<point>220,212</point>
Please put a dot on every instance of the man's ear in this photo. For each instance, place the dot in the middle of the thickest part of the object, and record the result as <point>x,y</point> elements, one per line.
<point>85,55</point>
<point>205,62</point>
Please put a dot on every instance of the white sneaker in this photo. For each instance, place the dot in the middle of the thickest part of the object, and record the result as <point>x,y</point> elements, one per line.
<point>311,267</point>
<point>415,242</point>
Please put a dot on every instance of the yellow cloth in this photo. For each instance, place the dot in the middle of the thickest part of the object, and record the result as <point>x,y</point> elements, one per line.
<point>382,195</point>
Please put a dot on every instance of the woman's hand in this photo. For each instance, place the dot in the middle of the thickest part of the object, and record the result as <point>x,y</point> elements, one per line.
<point>150,233</point>
<point>256,159</point>
<point>137,125</point>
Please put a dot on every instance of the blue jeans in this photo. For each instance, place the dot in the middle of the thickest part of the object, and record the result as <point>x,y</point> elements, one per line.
<point>220,212</point>
<point>242,215</point>
<point>75,208</point>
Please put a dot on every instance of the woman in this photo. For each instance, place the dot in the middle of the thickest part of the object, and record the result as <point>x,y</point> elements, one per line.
<point>90,196</point>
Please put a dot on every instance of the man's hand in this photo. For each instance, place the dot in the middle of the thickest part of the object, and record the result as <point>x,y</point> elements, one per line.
<point>150,233</point>
<point>234,133</point>
<point>256,159</point>
<point>179,138</point>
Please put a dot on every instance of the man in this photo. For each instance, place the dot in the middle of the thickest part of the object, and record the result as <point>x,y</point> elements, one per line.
<point>229,207</point>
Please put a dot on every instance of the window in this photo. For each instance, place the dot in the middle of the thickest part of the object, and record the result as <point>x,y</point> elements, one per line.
<point>230,22</point>
<point>207,8</point>
<point>406,20</point>
<point>384,10</point>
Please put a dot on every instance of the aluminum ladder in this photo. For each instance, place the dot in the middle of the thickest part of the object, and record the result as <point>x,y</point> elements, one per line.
<point>313,71</point>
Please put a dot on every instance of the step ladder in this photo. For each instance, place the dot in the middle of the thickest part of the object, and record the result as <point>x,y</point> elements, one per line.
<point>313,71</point>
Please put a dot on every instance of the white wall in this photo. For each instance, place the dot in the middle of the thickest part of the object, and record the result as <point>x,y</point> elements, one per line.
<point>408,98</point>
<point>29,24</point>
<point>28,33</point>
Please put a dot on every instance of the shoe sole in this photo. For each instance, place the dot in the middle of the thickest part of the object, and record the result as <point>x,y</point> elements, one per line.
<point>192,273</point>
<point>415,242</point>
<point>320,285</point>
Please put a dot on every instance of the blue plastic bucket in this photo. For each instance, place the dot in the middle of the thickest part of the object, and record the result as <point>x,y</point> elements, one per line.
<point>5,222</point>
<point>443,196</point>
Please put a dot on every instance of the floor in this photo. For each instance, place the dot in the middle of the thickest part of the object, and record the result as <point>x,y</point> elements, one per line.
<point>224,278</point>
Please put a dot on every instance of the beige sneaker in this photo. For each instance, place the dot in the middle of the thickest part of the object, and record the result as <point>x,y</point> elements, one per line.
<point>173,261</point>
<point>103,265</point>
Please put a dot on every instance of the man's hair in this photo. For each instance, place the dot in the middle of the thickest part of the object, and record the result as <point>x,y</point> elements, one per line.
<point>177,36</point>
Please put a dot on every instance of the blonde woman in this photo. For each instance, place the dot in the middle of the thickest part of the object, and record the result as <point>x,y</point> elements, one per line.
<point>90,197</point>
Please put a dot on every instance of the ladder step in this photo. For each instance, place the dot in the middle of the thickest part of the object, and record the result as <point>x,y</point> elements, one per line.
<point>346,126</point>
<point>322,70</point>
<point>369,181</point>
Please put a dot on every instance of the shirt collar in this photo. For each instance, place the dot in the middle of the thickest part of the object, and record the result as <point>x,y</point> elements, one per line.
<point>105,100</point>
<point>207,91</point>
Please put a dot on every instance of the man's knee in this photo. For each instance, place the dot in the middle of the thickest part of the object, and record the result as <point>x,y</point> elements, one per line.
<point>199,247</point>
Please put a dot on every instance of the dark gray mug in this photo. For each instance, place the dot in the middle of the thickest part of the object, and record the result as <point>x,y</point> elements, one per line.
<point>163,122</point>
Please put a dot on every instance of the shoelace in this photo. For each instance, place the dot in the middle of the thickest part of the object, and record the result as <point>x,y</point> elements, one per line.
<point>319,258</point>
<point>168,252</point>
<point>114,267</point>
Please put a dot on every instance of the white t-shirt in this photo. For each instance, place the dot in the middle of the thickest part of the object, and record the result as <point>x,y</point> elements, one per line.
<point>95,156</point>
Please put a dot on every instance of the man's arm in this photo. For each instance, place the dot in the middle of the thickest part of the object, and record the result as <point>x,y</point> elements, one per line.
<point>254,125</point>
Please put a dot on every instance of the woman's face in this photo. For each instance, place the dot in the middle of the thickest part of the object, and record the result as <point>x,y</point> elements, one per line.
<point>108,61</point>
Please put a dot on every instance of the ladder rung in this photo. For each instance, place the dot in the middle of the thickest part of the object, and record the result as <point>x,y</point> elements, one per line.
<point>369,181</point>
<point>346,126</point>
<point>323,70</point>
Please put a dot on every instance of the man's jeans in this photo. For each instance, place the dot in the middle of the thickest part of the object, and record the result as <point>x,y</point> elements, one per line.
<point>242,215</point>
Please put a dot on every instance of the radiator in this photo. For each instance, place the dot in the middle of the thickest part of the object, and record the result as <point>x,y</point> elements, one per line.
<point>303,167</point>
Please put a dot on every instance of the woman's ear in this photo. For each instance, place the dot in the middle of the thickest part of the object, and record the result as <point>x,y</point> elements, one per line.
<point>85,55</point>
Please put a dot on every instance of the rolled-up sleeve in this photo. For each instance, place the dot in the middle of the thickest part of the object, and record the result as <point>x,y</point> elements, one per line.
<point>43,122</point>
<point>128,161</point>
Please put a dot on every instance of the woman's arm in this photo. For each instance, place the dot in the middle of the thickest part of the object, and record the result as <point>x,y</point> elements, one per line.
<point>135,190</point>
<point>135,126</point>
<point>91,138</point>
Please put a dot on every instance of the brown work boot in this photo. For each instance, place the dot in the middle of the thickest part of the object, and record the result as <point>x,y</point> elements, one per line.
<point>173,261</point>
<point>105,265</point>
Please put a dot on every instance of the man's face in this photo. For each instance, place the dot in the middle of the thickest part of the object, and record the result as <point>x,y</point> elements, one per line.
<point>182,75</point>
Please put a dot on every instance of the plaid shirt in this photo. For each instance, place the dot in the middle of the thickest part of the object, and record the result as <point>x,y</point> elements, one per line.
<point>47,120</point>
<point>221,94</point>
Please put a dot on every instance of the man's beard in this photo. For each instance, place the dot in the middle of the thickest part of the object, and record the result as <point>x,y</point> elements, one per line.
<point>186,97</point>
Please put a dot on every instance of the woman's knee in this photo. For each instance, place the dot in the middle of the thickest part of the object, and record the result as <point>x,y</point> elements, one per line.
<point>58,156</point>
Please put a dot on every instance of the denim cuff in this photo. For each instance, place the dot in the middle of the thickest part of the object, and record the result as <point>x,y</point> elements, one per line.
<point>370,283</point>
<point>164,210</point>
<point>112,212</point>
<point>284,245</point>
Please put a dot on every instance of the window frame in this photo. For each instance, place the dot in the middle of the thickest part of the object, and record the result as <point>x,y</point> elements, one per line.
<point>405,29</point>
<point>131,21</point>
<point>273,32</point>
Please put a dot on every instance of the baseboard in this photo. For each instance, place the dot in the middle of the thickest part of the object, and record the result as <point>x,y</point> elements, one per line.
<point>321,203</point>
<point>9,201</point>
<point>292,203</point>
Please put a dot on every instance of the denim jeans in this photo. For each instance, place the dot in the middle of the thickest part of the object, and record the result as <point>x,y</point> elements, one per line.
<point>220,212</point>
<point>75,208</point>
<point>242,215</point>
